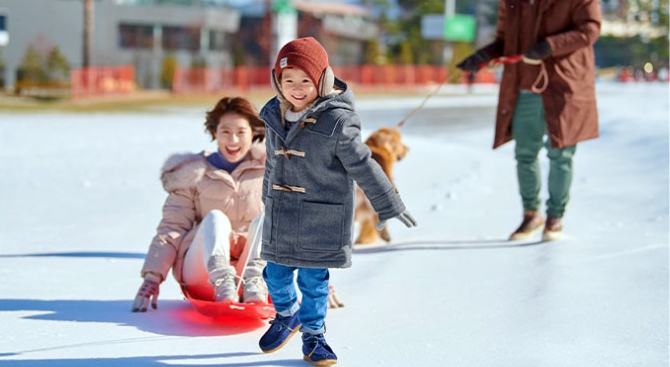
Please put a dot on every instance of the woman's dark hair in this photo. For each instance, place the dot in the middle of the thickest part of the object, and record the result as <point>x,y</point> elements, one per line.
<point>240,106</point>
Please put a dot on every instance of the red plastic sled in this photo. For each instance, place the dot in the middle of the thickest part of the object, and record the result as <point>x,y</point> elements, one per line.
<point>235,310</point>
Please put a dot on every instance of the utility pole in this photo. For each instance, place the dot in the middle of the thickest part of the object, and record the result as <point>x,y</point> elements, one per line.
<point>449,11</point>
<point>88,19</point>
<point>285,27</point>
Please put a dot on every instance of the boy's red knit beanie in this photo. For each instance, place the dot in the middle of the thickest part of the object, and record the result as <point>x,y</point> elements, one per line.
<point>306,54</point>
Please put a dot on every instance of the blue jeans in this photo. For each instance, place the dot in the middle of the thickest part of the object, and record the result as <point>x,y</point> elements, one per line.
<point>313,284</point>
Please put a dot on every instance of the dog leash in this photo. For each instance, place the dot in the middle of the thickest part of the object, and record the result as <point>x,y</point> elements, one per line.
<point>542,77</point>
<point>498,61</point>
<point>420,106</point>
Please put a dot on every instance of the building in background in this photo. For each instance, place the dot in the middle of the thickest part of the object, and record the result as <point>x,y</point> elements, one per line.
<point>343,29</point>
<point>141,34</point>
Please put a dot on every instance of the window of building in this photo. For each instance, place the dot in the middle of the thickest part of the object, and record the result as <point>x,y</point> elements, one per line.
<point>217,40</point>
<point>4,37</point>
<point>136,36</point>
<point>180,38</point>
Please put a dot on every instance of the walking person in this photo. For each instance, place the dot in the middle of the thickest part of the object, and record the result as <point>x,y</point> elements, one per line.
<point>211,212</point>
<point>548,100</point>
<point>315,153</point>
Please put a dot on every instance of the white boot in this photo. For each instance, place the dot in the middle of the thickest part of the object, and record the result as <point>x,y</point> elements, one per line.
<point>225,284</point>
<point>254,289</point>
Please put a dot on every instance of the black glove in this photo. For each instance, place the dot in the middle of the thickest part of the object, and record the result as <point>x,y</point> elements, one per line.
<point>471,63</point>
<point>539,51</point>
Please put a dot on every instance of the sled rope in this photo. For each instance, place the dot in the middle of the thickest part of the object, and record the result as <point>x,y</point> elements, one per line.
<point>541,78</point>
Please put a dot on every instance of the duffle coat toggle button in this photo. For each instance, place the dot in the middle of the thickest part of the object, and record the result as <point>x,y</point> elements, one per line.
<point>287,152</point>
<point>309,120</point>
<point>289,188</point>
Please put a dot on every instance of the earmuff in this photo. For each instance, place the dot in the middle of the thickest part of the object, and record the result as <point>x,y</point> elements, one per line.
<point>326,83</point>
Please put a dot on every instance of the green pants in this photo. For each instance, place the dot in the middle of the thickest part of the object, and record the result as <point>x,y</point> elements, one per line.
<point>529,128</point>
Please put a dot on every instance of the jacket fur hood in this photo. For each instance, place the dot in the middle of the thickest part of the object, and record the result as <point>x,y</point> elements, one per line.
<point>185,170</point>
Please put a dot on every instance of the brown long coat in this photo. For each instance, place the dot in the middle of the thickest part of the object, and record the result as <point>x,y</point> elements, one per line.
<point>571,27</point>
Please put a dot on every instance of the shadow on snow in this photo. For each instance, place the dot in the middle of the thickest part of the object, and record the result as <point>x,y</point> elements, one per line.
<point>184,320</point>
<point>149,361</point>
<point>442,245</point>
<point>84,254</point>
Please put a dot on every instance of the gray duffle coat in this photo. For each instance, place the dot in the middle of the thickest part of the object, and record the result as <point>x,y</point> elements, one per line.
<point>308,188</point>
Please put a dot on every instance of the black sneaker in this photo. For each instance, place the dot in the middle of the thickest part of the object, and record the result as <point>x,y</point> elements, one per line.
<point>316,351</point>
<point>282,328</point>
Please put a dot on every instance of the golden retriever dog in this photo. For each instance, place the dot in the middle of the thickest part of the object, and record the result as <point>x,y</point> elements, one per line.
<point>387,148</point>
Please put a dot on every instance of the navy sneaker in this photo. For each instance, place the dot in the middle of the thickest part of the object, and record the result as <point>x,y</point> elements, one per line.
<point>282,328</point>
<point>317,351</point>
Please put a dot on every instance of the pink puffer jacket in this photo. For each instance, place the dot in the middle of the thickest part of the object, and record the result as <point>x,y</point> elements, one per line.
<point>194,188</point>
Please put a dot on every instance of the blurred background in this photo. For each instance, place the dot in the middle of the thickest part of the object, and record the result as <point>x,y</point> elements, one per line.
<point>79,50</point>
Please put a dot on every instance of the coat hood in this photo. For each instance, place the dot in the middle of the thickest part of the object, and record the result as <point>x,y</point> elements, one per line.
<point>342,97</point>
<point>185,170</point>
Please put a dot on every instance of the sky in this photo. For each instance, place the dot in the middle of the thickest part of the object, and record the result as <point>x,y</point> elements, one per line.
<point>80,199</point>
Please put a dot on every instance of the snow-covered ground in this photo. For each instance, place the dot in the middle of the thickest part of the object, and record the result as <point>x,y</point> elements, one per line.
<point>80,199</point>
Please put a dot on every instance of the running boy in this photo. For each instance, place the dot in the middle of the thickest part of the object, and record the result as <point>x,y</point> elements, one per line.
<point>315,153</point>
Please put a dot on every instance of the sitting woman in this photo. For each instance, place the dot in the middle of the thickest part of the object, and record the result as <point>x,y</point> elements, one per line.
<point>211,214</point>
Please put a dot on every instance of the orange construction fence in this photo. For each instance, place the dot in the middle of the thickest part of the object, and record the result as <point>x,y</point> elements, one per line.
<point>244,78</point>
<point>102,80</point>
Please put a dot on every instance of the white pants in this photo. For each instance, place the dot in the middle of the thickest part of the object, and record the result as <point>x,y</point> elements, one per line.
<point>213,239</point>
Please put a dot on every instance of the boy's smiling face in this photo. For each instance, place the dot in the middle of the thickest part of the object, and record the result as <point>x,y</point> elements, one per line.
<point>298,88</point>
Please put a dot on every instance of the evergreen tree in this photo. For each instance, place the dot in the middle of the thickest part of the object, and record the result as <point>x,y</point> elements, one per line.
<point>57,66</point>
<point>374,54</point>
<point>168,68</point>
<point>32,66</point>
<point>405,56</point>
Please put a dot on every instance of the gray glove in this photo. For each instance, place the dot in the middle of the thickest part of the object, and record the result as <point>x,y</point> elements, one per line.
<point>148,290</point>
<point>404,217</point>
